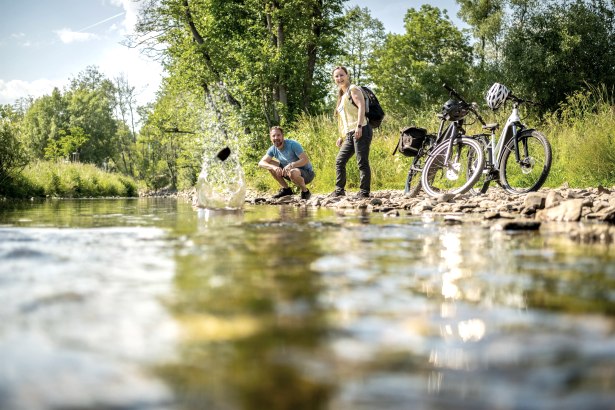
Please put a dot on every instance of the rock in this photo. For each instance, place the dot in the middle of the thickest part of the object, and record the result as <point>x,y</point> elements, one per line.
<point>568,211</point>
<point>517,225</point>
<point>452,220</point>
<point>553,199</point>
<point>534,201</point>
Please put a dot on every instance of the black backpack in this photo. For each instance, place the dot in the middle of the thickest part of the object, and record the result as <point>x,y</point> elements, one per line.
<point>410,141</point>
<point>373,110</point>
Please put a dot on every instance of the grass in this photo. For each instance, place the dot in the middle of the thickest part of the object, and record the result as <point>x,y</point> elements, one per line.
<point>68,180</point>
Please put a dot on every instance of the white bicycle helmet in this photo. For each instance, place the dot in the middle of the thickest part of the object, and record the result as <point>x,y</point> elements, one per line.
<point>497,94</point>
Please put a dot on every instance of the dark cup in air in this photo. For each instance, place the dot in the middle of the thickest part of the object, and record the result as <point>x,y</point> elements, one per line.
<point>224,153</point>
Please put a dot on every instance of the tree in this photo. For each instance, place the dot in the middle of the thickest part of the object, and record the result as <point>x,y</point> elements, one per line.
<point>125,104</point>
<point>362,35</point>
<point>410,69</point>
<point>265,57</point>
<point>12,155</point>
<point>90,104</point>
<point>560,49</point>
<point>487,20</point>
<point>43,121</point>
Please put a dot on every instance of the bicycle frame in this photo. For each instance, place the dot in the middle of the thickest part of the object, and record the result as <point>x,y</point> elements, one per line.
<point>511,129</point>
<point>454,129</point>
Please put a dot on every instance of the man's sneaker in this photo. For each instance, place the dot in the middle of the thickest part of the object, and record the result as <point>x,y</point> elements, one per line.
<point>337,193</point>
<point>283,192</point>
<point>306,195</point>
<point>362,195</point>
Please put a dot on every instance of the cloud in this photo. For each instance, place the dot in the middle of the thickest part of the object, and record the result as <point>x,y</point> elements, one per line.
<point>131,8</point>
<point>15,89</point>
<point>68,36</point>
<point>144,74</point>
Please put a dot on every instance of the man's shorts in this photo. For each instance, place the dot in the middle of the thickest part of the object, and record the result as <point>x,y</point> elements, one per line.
<point>308,176</point>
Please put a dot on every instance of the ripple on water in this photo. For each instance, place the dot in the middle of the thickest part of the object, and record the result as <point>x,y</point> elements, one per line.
<point>81,316</point>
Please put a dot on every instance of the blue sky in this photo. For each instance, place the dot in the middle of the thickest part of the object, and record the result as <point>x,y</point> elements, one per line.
<point>44,43</point>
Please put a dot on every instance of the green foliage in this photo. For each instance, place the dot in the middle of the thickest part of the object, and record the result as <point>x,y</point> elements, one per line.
<point>411,67</point>
<point>362,35</point>
<point>267,57</point>
<point>67,144</point>
<point>70,180</point>
<point>12,155</point>
<point>560,48</point>
<point>583,138</point>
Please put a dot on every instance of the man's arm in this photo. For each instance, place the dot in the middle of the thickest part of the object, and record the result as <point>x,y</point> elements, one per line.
<point>267,162</point>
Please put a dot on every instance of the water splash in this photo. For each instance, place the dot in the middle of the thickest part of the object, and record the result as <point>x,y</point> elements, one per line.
<point>221,183</point>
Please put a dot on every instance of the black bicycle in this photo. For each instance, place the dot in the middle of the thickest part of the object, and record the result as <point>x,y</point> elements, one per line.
<point>454,162</point>
<point>421,146</point>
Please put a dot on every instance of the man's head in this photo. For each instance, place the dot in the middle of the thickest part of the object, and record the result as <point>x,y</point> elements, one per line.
<point>276,134</point>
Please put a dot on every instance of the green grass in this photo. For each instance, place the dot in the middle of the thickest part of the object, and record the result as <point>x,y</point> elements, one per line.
<point>68,180</point>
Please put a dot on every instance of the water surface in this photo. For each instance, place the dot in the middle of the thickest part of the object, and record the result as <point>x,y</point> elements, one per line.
<point>150,304</point>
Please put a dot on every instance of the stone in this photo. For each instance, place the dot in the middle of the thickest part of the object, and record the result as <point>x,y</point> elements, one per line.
<point>567,211</point>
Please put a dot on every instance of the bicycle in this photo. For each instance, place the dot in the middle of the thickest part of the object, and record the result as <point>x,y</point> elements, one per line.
<point>413,179</point>
<point>452,113</point>
<point>520,159</point>
<point>455,163</point>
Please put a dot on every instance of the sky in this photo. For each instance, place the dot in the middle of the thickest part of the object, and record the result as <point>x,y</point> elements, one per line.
<point>45,43</point>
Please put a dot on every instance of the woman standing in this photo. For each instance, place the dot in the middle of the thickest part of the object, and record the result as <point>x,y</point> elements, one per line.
<point>356,133</point>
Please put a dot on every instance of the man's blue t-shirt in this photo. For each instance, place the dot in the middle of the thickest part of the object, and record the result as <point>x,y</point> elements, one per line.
<point>290,153</point>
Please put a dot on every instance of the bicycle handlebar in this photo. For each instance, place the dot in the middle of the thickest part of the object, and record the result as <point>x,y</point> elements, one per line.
<point>521,100</point>
<point>455,94</point>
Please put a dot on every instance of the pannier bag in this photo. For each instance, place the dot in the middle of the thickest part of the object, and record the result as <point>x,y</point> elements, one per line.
<point>410,141</point>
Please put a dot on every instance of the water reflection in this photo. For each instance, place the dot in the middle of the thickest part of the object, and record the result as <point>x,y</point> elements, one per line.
<point>251,324</point>
<point>294,307</point>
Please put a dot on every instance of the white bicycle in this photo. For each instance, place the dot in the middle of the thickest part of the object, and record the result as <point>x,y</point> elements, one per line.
<point>520,159</point>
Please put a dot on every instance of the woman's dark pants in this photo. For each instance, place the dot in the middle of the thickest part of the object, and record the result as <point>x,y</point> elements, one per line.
<point>347,150</point>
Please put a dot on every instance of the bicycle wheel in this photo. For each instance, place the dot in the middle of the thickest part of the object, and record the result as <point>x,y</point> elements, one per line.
<point>413,180</point>
<point>482,183</point>
<point>534,163</point>
<point>456,173</point>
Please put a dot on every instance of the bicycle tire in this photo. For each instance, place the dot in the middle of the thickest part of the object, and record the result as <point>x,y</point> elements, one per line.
<point>413,180</point>
<point>464,167</point>
<point>532,171</point>
<point>482,184</point>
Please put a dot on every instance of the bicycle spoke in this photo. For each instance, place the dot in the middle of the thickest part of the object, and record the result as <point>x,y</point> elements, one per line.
<point>530,172</point>
<point>453,174</point>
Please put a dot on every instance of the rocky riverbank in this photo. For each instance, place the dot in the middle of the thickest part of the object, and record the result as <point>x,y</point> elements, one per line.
<point>594,208</point>
<point>586,215</point>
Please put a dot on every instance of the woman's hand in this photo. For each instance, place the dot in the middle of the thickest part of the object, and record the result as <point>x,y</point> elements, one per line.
<point>358,132</point>
<point>339,142</point>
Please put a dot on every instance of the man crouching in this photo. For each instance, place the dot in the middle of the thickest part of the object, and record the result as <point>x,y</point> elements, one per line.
<point>286,161</point>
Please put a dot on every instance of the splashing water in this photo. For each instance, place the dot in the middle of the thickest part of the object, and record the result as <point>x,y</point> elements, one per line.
<point>221,184</point>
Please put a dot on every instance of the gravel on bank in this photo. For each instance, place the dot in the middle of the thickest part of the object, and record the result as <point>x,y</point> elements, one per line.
<point>585,214</point>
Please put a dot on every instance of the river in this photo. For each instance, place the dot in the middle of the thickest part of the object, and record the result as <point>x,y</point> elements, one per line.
<point>151,304</point>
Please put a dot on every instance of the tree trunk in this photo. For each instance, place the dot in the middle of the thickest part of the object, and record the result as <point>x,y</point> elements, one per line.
<point>312,54</point>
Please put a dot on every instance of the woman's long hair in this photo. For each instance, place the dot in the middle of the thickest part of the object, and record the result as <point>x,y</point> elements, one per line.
<point>340,93</point>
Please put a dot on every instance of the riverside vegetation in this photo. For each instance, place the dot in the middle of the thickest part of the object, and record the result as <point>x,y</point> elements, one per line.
<point>581,134</point>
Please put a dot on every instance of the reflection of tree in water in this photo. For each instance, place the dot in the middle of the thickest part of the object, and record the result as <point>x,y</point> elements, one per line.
<point>250,320</point>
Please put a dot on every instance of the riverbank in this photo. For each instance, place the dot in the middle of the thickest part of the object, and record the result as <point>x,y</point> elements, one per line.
<point>584,214</point>
<point>594,207</point>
